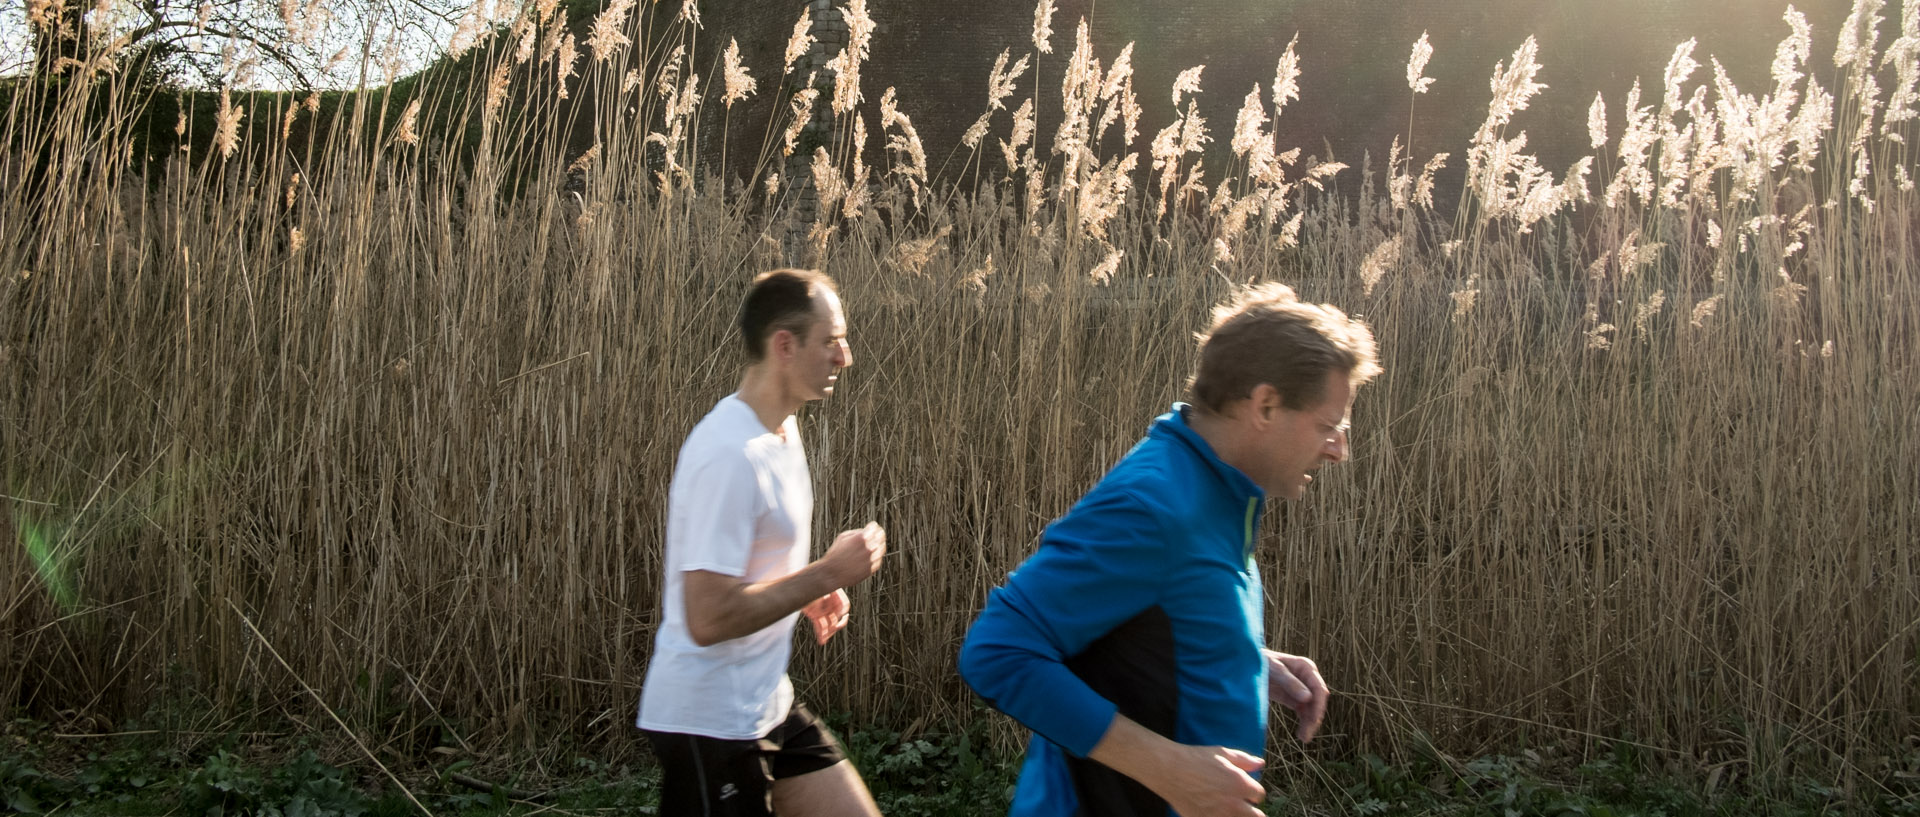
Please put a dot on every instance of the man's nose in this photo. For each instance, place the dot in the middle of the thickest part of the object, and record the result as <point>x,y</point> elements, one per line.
<point>1335,448</point>
<point>843,355</point>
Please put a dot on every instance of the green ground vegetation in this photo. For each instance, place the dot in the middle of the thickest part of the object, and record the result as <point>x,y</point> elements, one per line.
<point>146,768</point>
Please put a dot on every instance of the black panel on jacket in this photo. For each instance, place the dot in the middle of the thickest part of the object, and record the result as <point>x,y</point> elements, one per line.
<point>1132,666</point>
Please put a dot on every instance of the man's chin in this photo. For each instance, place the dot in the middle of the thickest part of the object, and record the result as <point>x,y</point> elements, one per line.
<point>1299,489</point>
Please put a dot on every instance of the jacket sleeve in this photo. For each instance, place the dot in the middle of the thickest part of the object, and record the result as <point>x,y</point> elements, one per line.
<point>1097,567</point>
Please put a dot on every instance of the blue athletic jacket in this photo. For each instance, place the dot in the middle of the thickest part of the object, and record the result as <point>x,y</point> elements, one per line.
<point>1142,600</point>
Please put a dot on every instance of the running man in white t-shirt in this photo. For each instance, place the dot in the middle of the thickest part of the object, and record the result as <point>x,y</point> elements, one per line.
<point>717,705</point>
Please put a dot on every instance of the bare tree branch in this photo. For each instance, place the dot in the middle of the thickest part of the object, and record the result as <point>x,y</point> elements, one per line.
<point>195,44</point>
<point>286,60</point>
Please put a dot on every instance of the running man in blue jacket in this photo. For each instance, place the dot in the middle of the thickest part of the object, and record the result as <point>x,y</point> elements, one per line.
<point>1132,642</point>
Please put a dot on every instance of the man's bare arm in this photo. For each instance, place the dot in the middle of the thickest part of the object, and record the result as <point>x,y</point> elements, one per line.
<point>722,608</point>
<point>1196,781</point>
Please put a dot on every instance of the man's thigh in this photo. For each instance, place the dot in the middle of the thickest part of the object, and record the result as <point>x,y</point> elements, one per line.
<point>830,792</point>
<point>812,777</point>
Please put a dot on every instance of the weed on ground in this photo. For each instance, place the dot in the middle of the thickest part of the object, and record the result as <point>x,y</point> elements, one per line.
<point>139,772</point>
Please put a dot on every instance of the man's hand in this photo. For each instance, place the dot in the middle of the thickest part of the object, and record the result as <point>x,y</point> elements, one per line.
<point>1196,781</point>
<point>828,615</point>
<point>1295,682</point>
<point>855,555</point>
<point>1204,781</point>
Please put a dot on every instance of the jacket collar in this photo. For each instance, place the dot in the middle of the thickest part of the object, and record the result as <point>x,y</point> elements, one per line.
<point>1173,426</point>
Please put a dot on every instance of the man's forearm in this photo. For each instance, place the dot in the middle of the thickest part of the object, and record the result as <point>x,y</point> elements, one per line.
<point>1199,781</point>
<point>1131,749</point>
<point>722,608</point>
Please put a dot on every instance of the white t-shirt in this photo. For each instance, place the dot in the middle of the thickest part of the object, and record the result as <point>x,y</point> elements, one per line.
<point>741,504</point>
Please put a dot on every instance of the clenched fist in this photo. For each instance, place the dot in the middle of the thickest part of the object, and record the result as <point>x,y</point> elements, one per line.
<point>855,554</point>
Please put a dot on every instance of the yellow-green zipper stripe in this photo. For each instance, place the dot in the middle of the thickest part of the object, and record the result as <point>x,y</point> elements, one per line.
<point>1253,504</point>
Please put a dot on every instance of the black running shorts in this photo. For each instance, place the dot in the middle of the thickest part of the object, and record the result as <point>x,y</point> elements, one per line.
<point>712,777</point>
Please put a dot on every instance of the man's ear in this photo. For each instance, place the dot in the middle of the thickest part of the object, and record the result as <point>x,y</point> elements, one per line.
<point>780,344</point>
<point>1267,403</point>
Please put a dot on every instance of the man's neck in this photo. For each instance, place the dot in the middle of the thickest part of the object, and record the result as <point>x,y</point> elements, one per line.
<point>763,392</point>
<point>1222,434</point>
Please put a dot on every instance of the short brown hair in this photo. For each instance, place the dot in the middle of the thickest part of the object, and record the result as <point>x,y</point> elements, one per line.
<point>1265,334</point>
<point>781,299</point>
